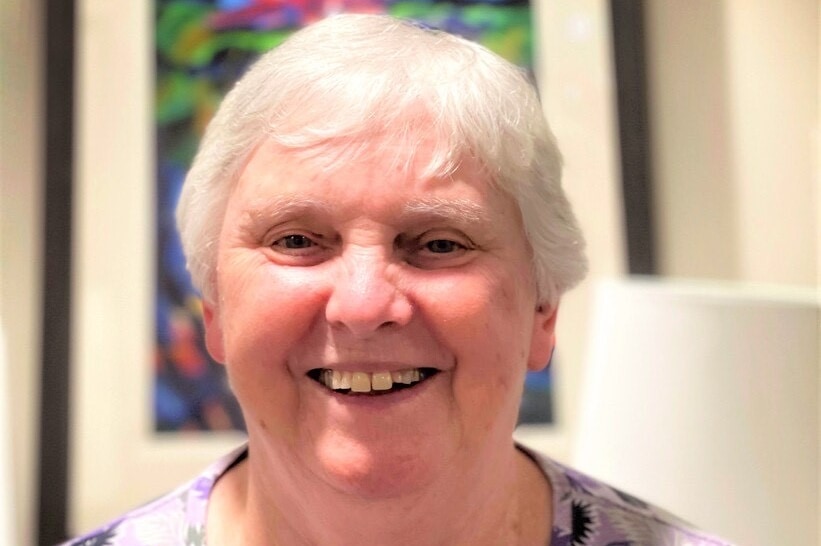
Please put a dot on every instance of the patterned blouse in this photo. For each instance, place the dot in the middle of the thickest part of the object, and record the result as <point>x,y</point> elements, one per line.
<point>586,513</point>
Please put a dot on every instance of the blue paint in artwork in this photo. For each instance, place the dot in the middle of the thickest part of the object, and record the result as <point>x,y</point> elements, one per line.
<point>170,407</point>
<point>226,5</point>
<point>538,380</point>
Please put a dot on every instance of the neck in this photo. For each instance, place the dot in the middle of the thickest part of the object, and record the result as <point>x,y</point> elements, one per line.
<point>505,499</point>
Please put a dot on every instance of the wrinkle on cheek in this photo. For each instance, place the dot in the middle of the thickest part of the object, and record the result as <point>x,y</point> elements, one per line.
<point>518,288</point>
<point>240,266</point>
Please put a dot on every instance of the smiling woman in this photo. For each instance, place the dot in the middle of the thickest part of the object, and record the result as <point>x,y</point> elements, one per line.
<point>376,222</point>
<point>375,287</point>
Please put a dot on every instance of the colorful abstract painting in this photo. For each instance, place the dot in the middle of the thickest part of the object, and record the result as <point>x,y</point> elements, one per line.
<point>202,48</point>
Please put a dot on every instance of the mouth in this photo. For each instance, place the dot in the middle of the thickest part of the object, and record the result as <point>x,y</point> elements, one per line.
<point>370,384</point>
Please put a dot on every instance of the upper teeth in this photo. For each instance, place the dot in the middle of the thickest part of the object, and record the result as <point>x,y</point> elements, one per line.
<point>366,382</point>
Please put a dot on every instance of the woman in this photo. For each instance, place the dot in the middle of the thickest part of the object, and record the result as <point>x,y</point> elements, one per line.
<point>376,223</point>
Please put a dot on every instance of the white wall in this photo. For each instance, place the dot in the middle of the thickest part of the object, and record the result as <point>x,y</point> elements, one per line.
<point>20,234</point>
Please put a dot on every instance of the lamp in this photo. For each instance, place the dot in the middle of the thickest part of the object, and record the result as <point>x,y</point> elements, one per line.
<point>703,398</point>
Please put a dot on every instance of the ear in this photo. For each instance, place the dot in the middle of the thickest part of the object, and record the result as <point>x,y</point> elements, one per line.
<point>543,339</point>
<point>213,331</point>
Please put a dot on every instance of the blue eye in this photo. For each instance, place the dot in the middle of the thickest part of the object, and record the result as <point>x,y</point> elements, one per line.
<point>295,242</point>
<point>442,246</point>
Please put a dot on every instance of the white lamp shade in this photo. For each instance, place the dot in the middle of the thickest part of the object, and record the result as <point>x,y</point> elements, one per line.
<point>704,399</point>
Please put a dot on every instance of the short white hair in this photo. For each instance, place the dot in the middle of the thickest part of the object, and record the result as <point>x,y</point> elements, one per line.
<point>359,84</point>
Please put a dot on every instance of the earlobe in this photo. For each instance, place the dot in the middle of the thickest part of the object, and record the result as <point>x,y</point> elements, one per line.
<point>543,338</point>
<point>213,332</point>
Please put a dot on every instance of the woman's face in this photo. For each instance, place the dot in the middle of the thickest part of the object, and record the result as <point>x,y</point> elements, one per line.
<point>376,327</point>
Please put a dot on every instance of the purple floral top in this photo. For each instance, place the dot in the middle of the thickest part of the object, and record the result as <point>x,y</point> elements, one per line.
<point>586,513</point>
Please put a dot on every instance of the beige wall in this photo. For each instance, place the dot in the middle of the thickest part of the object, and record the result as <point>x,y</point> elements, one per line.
<point>734,110</point>
<point>689,106</point>
<point>20,233</point>
<point>772,52</point>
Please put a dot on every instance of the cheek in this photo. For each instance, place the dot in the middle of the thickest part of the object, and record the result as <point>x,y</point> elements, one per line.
<point>265,315</point>
<point>485,320</point>
<point>267,307</point>
<point>481,308</point>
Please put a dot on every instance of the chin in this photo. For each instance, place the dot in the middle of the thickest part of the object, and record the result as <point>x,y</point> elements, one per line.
<point>378,471</point>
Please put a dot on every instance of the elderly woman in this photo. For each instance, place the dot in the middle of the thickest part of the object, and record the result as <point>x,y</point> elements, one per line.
<point>376,223</point>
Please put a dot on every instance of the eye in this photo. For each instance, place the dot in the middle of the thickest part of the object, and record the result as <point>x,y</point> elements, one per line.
<point>295,241</point>
<point>299,245</point>
<point>297,248</point>
<point>443,246</point>
<point>438,249</point>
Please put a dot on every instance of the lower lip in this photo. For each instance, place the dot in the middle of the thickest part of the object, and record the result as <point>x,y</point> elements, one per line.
<point>382,401</point>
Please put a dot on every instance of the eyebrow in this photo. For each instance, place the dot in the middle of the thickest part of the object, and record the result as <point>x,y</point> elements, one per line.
<point>283,206</point>
<point>458,209</point>
<point>463,211</point>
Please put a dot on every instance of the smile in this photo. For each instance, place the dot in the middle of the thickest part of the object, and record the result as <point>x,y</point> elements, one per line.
<point>376,383</point>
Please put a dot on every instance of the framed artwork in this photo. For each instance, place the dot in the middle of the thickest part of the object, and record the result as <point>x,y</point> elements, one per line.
<point>148,409</point>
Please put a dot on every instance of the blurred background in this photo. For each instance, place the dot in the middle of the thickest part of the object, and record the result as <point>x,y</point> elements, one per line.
<point>690,136</point>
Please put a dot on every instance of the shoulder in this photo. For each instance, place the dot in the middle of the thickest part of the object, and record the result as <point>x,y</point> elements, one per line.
<point>177,518</point>
<point>587,512</point>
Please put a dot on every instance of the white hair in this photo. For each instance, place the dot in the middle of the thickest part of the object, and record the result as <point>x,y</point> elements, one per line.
<point>352,85</point>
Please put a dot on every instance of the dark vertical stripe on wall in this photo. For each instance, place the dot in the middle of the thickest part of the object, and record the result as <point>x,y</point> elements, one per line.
<point>59,97</point>
<point>634,132</point>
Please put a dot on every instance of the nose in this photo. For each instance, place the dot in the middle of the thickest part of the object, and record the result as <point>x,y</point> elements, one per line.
<point>366,298</point>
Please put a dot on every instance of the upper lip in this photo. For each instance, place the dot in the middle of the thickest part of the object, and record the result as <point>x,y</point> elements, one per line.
<point>373,367</point>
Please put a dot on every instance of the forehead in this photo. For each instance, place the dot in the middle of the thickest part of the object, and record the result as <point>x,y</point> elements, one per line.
<point>375,173</point>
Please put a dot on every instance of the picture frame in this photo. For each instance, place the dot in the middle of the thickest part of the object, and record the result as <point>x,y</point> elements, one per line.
<point>116,460</point>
